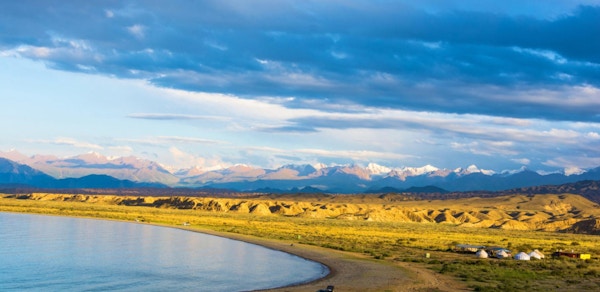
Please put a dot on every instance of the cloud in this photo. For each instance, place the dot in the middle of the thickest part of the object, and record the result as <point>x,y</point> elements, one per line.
<point>163,140</point>
<point>280,156</point>
<point>485,148</point>
<point>451,58</point>
<point>164,116</point>
<point>137,30</point>
<point>189,140</point>
<point>188,160</point>
<point>572,161</point>
<point>126,149</point>
<point>289,129</point>
<point>355,155</point>
<point>593,135</point>
<point>71,142</point>
<point>478,127</point>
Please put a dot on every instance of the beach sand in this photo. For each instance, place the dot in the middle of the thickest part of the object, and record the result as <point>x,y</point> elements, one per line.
<point>352,271</point>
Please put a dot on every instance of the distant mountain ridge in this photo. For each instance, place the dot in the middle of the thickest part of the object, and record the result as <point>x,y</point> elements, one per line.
<point>124,168</point>
<point>99,170</point>
<point>13,174</point>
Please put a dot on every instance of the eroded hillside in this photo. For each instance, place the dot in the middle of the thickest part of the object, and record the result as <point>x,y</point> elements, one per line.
<point>548,212</point>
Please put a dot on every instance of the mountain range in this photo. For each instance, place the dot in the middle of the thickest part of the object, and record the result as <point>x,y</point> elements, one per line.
<point>13,174</point>
<point>93,170</point>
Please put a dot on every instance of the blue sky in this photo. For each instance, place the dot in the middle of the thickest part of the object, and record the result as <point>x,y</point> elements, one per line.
<point>499,84</point>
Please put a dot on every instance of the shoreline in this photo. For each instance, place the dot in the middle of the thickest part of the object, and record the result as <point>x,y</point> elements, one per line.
<point>347,271</point>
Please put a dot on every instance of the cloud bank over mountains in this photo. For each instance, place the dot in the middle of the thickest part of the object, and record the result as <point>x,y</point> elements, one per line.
<point>269,83</point>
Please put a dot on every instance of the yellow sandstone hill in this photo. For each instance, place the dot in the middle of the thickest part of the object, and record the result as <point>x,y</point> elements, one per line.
<point>548,212</point>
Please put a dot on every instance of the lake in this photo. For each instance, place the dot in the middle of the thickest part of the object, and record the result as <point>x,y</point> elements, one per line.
<point>48,253</point>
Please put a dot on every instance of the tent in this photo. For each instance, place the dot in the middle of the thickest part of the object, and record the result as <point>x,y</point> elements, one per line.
<point>502,254</point>
<point>522,256</point>
<point>493,250</point>
<point>536,254</point>
<point>481,254</point>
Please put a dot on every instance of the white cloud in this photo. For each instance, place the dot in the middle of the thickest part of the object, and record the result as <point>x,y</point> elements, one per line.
<point>486,148</point>
<point>593,135</point>
<point>183,159</point>
<point>28,51</point>
<point>189,140</point>
<point>216,45</point>
<point>72,142</point>
<point>175,116</point>
<point>357,155</point>
<point>40,52</point>
<point>125,149</point>
<point>247,112</point>
<point>168,140</point>
<point>550,55</point>
<point>581,97</point>
<point>475,134</point>
<point>137,30</point>
<point>339,55</point>
<point>573,161</point>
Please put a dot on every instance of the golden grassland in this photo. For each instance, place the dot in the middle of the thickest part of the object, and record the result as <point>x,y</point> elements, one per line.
<point>362,225</point>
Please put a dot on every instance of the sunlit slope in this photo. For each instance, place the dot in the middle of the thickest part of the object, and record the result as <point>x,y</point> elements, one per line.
<point>548,212</point>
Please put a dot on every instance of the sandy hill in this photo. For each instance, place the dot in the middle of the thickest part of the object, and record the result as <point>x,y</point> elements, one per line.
<point>548,212</point>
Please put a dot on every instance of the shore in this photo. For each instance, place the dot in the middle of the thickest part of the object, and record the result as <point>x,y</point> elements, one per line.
<point>346,272</point>
<point>351,271</point>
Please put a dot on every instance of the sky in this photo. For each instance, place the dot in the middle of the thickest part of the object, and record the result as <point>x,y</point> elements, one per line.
<point>498,84</point>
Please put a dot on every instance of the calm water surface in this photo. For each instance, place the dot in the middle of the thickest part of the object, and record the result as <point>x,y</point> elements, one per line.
<point>46,253</point>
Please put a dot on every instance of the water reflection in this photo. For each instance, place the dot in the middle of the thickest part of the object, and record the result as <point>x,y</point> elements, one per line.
<point>59,253</point>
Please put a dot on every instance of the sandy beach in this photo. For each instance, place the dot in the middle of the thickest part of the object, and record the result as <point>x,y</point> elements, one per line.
<point>354,272</point>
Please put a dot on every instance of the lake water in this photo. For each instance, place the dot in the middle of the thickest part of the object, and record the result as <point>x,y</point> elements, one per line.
<point>46,253</point>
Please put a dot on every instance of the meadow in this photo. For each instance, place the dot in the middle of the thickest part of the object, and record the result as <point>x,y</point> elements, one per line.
<point>386,241</point>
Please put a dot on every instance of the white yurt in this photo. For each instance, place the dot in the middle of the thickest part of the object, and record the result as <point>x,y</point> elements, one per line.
<point>501,254</point>
<point>536,254</point>
<point>482,254</point>
<point>522,257</point>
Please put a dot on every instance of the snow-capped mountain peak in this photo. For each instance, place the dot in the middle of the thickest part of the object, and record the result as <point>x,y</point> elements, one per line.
<point>92,157</point>
<point>473,169</point>
<point>415,171</point>
<point>427,169</point>
<point>376,169</point>
<point>319,166</point>
<point>573,171</point>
